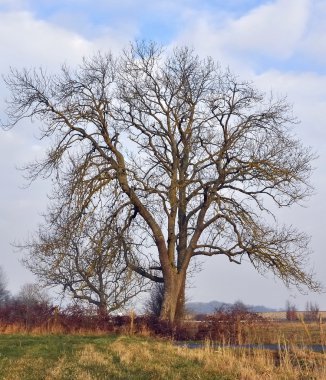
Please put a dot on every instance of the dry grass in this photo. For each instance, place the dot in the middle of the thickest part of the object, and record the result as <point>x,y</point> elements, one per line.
<point>292,333</point>
<point>261,364</point>
<point>300,332</point>
<point>17,328</point>
<point>127,357</point>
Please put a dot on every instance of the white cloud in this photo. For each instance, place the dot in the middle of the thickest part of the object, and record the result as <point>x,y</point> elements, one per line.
<point>25,40</point>
<point>314,43</point>
<point>307,92</point>
<point>13,3</point>
<point>272,29</point>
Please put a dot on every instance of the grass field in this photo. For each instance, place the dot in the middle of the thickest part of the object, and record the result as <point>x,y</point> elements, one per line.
<point>129,357</point>
<point>290,333</point>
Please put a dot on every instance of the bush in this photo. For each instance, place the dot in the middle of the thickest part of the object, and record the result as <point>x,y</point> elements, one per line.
<point>291,312</point>
<point>25,314</point>
<point>229,324</point>
<point>312,312</point>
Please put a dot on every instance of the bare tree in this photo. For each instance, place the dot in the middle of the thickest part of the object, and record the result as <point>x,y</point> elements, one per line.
<point>291,311</point>
<point>79,251</point>
<point>194,152</point>
<point>31,294</point>
<point>154,302</point>
<point>4,293</point>
<point>312,312</point>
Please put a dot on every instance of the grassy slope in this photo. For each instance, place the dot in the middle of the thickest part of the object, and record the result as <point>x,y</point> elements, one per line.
<point>112,357</point>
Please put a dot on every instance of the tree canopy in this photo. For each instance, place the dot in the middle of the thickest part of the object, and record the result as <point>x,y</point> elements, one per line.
<point>188,160</point>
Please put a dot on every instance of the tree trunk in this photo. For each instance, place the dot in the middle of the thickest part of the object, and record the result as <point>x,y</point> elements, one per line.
<point>180,309</point>
<point>102,309</point>
<point>174,298</point>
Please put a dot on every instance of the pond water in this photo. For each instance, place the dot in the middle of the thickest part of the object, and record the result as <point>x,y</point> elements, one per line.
<point>273,347</point>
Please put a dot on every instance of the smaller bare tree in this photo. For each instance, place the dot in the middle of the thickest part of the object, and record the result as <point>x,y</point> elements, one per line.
<point>31,294</point>
<point>291,311</point>
<point>312,312</point>
<point>154,302</point>
<point>81,252</point>
<point>4,293</point>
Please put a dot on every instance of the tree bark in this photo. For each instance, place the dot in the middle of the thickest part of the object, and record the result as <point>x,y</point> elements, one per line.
<point>102,309</point>
<point>172,309</point>
<point>180,308</point>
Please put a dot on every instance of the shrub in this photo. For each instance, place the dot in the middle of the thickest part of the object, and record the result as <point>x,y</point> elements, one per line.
<point>291,312</point>
<point>312,312</point>
<point>229,324</point>
<point>25,314</point>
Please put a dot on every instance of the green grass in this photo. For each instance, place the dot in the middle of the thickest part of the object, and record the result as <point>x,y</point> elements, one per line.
<point>49,347</point>
<point>67,357</point>
<point>93,357</point>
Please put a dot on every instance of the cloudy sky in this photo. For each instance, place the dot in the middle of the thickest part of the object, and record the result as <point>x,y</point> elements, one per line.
<point>278,44</point>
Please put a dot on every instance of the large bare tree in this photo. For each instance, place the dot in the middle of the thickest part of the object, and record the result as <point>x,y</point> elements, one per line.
<point>199,158</point>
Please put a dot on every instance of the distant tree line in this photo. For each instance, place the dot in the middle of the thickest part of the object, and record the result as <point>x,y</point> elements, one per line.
<point>311,312</point>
